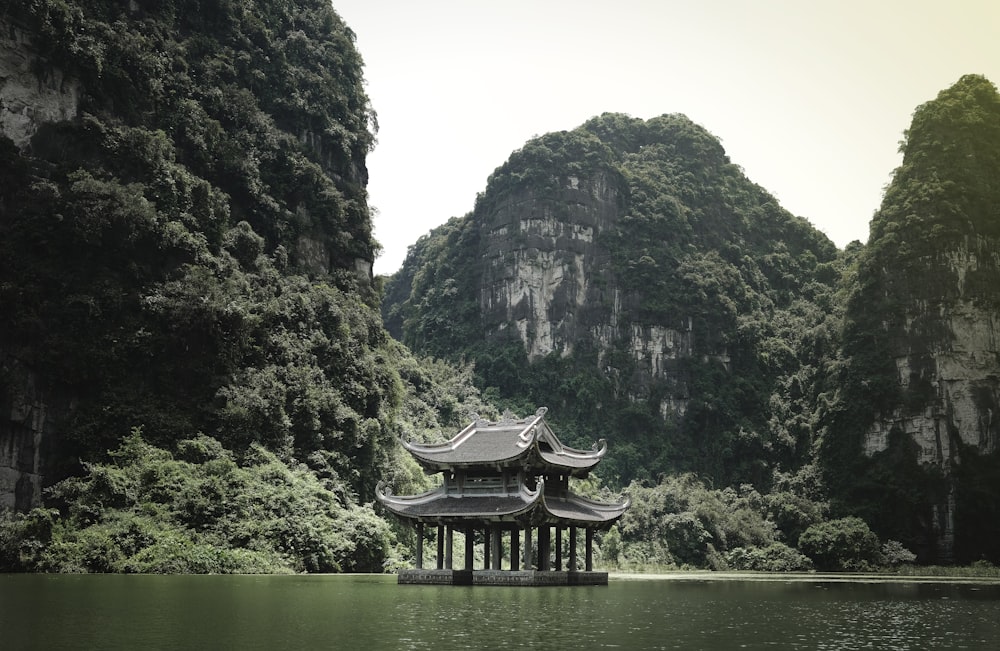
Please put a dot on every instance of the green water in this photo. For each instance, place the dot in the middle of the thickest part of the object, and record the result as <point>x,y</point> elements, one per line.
<point>372,612</point>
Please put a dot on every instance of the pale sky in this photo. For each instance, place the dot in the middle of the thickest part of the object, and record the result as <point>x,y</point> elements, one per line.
<point>810,97</point>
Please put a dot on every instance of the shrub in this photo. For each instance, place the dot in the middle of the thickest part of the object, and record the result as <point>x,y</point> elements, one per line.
<point>776,557</point>
<point>844,544</point>
<point>149,512</point>
<point>894,553</point>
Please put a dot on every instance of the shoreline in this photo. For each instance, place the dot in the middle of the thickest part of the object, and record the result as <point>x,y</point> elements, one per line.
<point>801,577</point>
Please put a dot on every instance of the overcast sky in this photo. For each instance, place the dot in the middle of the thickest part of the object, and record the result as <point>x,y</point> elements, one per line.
<point>810,97</point>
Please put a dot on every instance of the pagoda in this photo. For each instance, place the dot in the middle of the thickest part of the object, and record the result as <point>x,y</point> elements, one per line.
<point>501,479</point>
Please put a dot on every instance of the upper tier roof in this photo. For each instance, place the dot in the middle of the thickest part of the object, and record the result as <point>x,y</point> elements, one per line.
<point>526,442</point>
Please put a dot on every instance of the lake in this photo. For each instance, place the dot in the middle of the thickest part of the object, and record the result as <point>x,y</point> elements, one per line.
<point>372,612</point>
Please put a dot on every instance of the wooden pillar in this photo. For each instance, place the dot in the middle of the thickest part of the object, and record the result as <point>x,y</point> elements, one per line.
<point>448,541</point>
<point>515,550</point>
<point>572,549</point>
<point>527,547</point>
<point>496,539</point>
<point>440,554</point>
<point>544,548</point>
<point>559,549</point>
<point>420,545</point>
<point>470,553</point>
<point>590,550</point>
<point>487,547</point>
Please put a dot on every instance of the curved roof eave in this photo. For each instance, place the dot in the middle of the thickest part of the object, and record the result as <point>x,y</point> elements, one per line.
<point>438,505</point>
<point>574,508</point>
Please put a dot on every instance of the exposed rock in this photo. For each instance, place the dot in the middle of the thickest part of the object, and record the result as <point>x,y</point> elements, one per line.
<point>541,262</point>
<point>964,410</point>
<point>966,382</point>
<point>30,95</point>
<point>22,426</point>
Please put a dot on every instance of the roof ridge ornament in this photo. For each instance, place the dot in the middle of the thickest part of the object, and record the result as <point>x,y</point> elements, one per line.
<point>508,417</point>
<point>541,411</point>
<point>477,420</point>
<point>383,489</point>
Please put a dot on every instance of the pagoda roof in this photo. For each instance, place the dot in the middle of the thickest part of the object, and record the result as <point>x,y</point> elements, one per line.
<point>524,506</point>
<point>527,442</point>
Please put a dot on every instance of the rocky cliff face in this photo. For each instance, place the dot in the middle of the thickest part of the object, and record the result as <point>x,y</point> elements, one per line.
<point>963,407</point>
<point>31,95</point>
<point>959,410</point>
<point>27,437</point>
<point>547,276</point>
<point>541,266</point>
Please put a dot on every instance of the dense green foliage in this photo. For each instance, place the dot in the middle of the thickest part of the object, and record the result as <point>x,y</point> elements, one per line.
<point>196,511</point>
<point>683,523</point>
<point>845,544</point>
<point>182,256</point>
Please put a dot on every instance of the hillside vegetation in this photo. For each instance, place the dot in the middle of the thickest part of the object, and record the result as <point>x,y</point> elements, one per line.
<point>702,329</point>
<point>191,255</point>
<point>193,357</point>
<point>693,247</point>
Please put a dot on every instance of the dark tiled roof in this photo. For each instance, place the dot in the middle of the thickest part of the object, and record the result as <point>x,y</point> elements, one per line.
<point>481,445</point>
<point>468,507</point>
<point>579,509</point>
<point>527,441</point>
<point>438,505</point>
<point>565,460</point>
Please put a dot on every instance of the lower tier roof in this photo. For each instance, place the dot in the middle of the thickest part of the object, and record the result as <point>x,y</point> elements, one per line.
<point>526,507</point>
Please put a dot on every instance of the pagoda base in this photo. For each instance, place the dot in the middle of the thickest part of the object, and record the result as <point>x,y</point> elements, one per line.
<point>500,577</point>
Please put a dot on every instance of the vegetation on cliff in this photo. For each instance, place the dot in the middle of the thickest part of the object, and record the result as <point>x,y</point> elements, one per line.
<point>933,247</point>
<point>694,247</point>
<point>190,255</point>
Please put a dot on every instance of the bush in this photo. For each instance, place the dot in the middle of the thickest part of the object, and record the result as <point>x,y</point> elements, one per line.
<point>893,553</point>
<point>149,512</point>
<point>776,557</point>
<point>844,544</point>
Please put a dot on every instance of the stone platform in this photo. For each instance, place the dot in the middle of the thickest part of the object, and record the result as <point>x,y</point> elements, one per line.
<point>500,577</point>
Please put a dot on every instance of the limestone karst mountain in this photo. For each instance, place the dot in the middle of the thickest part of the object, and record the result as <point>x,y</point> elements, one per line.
<point>914,438</point>
<point>630,272</point>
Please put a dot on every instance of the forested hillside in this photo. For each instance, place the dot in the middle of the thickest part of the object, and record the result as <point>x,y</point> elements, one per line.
<point>195,375</point>
<point>189,253</point>
<point>629,276</point>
